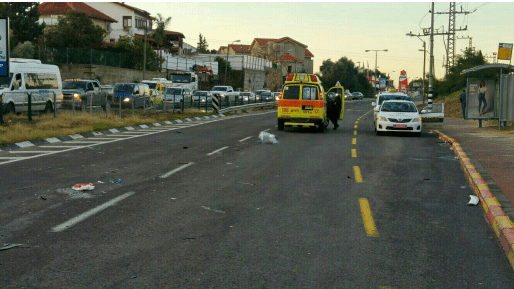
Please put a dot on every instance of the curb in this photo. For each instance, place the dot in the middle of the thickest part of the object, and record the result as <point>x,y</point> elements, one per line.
<point>494,213</point>
<point>51,140</point>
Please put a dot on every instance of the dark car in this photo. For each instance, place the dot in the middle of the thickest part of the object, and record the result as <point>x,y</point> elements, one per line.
<point>357,95</point>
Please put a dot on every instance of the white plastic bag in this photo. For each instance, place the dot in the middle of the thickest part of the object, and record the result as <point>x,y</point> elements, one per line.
<point>268,138</point>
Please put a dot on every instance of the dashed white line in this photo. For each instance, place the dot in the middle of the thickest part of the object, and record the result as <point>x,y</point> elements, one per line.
<point>28,152</point>
<point>176,170</point>
<point>217,151</point>
<point>245,139</point>
<point>85,215</point>
<point>267,129</point>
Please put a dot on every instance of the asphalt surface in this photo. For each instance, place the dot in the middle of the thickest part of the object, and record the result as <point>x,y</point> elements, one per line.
<point>205,206</point>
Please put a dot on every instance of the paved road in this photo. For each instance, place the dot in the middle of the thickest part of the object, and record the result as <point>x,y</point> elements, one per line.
<point>207,206</point>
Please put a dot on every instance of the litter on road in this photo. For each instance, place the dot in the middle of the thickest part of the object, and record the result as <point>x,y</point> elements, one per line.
<point>9,246</point>
<point>84,187</point>
<point>268,138</point>
<point>473,200</point>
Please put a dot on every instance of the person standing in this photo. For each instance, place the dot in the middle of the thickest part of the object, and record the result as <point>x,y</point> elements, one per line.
<point>481,97</point>
<point>334,105</point>
<point>463,103</point>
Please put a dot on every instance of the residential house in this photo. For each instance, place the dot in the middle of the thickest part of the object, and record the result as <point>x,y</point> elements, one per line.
<point>50,12</point>
<point>286,53</point>
<point>132,21</point>
<point>235,49</point>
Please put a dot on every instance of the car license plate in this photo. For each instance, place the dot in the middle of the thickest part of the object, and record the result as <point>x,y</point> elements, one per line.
<point>400,125</point>
<point>308,107</point>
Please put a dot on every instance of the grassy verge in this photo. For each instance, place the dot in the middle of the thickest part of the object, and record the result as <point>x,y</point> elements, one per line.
<point>17,128</point>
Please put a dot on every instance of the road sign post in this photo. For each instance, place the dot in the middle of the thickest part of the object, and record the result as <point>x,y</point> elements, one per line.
<point>216,102</point>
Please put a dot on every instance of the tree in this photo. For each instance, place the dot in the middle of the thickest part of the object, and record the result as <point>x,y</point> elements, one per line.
<point>75,30</point>
<point>159,34</point>
<point>24,21</point>
<point>202,45</point>
<point>133,47</point>
<point>221,67</point>
<point>24,50</point>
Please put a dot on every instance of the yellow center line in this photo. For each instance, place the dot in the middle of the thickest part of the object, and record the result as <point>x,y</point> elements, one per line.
<point>354,132</point>
<point>367,218</point>
<point>357,173</point>
<point>354,153</point>
<point>385,287</point>
<point>355,126</point>
<point>354,141</point>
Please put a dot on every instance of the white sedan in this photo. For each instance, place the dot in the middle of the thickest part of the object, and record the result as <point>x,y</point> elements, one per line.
<point>398,116</point>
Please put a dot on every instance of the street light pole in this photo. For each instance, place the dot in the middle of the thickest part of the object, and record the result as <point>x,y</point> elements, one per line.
<point>376,56</point>
<point>226,64</point>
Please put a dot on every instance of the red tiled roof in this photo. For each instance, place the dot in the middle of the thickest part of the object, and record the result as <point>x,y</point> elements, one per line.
<point>308,53</point>
<point>143,37</point>
<point>263,41</point>
<point>174,33</point>
<point>240,48</point>
<point>287,39</point>
<point>289,57</point>
<point>60,8</point>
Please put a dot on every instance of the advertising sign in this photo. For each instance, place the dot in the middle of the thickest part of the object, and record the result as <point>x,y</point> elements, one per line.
<point>383,82</point>
<point>4,46</point>
<point>480,98</point>
<point>504,51</point>
<point>403,85</point>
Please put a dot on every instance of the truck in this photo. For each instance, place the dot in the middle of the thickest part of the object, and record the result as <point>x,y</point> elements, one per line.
<point>225,92</point>
<point>184,79</point>
<point>86,92</point>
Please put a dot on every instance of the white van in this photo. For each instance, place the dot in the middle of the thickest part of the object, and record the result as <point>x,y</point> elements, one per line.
<point>30,77</point>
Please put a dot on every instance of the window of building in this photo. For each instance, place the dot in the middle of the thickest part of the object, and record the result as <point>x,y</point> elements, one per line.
<point>289,69</point>
<point>127,21</point>
<point>140,22</point>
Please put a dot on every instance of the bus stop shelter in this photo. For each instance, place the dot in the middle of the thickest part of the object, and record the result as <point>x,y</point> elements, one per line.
<point>502,98</point>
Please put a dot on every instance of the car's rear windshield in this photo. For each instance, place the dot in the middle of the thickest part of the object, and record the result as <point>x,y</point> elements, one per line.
<point>307,92</point>
<point>219,89</point>
<point>123,87</point>
<point>393,106</point>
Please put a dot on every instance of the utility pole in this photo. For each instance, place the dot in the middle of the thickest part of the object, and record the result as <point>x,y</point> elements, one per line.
<point>431,69</point>
<point>450,48</point>
<point>470,41</point>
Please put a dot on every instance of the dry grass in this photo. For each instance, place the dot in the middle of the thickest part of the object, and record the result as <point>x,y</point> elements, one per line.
<point>17,128</point>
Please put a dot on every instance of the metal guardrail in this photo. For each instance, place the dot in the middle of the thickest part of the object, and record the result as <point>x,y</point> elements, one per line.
<point>245,106</point>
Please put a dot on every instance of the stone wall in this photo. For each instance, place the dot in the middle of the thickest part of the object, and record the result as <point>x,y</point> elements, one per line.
<point>107,75</point>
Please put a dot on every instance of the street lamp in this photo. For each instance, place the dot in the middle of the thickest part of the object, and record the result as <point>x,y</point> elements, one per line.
<point>376,56</point>
<point>424,61</point>
<point>226,64</point>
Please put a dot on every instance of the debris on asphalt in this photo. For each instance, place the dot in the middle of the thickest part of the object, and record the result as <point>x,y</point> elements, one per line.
<point>250,184</point>
<point>44,197</point>
<point>113,171</point>
<point>83,187</point>
<point>185,148</point>
<point>100,182</point>
<point>214,210</point>
<point>349,177</point>
<point>473,200</point>
<point>427,179</point>
<point>268,138</point>
<point>111,181</point>
<point>119,181</point>
<point>9,246</point>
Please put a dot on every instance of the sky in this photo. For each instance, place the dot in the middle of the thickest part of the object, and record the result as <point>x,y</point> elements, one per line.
<point>332,30</point>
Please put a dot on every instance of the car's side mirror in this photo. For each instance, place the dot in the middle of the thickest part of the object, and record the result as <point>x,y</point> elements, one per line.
<point>373,103</point>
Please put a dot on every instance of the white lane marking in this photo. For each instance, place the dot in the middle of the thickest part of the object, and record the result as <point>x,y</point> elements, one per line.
<point>245,139</point>
<point>129,128</point>
<point>176,170</point>
<point>113,130</point>
<point>83,141</point>
<point>28,152</point>
<point>85,215</point>
<point>267,129</point>
<point>120,137</point>
<point>143,126</point>
<point>11,158</point>
<point>217,151</point>
<point>61,146</point>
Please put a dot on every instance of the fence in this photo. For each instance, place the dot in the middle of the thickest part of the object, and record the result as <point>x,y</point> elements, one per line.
<point>67,55</point>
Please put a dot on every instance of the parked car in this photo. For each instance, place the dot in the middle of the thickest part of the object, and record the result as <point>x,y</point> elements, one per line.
<point>247,96</point>
<point>398,116</point>
<point>266,96</point>
<point>176,95</point>
<point>130,95</point>
<point>202,96</point>
<point>357,95</point>
<point>348,95</point>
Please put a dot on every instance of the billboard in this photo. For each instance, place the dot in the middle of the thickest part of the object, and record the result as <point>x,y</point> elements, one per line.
<point>383,81</point>
<point>480,98</point>
<point>4,46</point>
<point>403,84</point>
<point>504,51</point>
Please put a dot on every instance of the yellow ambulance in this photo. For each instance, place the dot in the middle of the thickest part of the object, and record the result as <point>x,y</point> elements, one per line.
<point>302,102</point>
